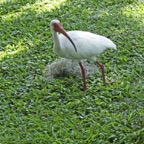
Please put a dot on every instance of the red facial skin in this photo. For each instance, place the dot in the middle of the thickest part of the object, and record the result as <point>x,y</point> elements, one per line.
<point>58,28</point>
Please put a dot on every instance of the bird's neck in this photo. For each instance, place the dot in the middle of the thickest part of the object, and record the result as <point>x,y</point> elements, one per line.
<point>57,45</point>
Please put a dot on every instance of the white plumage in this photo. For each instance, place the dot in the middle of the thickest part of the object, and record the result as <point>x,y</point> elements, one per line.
<point>88,45</point>
<point>79,45</point>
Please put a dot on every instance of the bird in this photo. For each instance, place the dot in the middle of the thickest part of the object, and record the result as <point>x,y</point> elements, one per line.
<point>79,45</point>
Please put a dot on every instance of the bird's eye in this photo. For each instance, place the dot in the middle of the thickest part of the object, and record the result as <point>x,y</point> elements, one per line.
<point>54,24</point>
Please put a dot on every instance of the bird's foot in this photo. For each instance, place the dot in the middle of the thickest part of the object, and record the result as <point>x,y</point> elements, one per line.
<point>83,89</point>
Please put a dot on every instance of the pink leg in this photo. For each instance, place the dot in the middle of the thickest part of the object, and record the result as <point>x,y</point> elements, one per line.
<point>102,69</point>
<point>84,76</point>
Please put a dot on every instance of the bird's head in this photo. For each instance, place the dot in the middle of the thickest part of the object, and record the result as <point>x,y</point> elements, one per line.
<point>57,27</point>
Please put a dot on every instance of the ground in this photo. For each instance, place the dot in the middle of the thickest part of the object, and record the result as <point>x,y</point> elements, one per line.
<point>33,110</point>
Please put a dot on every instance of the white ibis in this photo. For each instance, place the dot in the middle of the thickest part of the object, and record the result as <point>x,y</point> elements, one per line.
<point>79,45</point>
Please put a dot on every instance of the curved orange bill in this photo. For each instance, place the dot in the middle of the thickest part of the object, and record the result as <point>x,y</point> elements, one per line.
<point>66,35</point>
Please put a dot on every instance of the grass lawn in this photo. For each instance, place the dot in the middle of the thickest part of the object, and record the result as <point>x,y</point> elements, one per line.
<point>33,110</point>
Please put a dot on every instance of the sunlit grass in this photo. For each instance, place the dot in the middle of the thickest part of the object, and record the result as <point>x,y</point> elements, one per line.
<point>4,1</point>
<point>38,7</point>
<point>12,50</point>
<point>48,5</point>
<point>134,10</point>
<point>11,16</point>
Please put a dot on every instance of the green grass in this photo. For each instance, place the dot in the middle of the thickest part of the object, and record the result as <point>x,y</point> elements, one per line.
<point>35,111</point>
